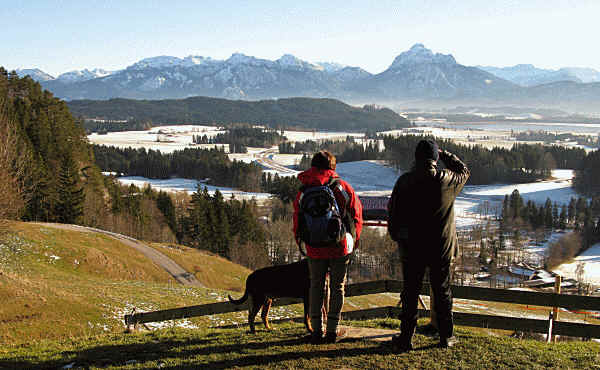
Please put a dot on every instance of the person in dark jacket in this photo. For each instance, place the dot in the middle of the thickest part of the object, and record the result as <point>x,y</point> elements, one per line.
<point>421,221</point>
<point>334,259</point>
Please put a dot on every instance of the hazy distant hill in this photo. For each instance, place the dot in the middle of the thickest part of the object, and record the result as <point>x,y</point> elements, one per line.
<point>327,114</point>
<point>529,75</point>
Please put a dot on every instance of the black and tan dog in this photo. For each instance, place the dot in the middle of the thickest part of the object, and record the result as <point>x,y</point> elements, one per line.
<point>291,280</point>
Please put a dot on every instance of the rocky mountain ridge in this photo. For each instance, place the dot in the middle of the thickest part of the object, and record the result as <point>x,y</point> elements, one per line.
<point>416,75</point>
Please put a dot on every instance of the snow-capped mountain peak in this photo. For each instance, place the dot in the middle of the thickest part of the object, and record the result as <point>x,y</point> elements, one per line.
<point>35,73</point>
<point>239,58</point>
<point>157,62</point>
<point>419,54</point>
<point>193,60</point>
<point>291,61</point>
<point>82,75</point>
<point>331,66</point>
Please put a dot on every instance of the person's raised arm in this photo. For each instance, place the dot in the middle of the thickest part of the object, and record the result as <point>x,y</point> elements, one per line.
<point>460,171</point>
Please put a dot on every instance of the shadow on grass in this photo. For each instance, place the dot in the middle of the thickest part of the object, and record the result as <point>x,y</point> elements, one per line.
<point>184,351</point>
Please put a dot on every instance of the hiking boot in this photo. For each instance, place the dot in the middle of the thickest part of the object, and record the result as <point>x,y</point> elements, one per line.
<point>401,344</point>
<point>316,338</point>
<point>448,342</point>
<point>335,337</point>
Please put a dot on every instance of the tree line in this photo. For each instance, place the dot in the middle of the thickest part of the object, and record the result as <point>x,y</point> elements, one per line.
<point>210,165</point>
<point>239,137</point>
<point>581,215</point>
<point>105,126</point>
<point>588,174</point>
<point>299,113</point>
<point>48,157</point>
<point>522,163</point>
<point>47,173</point>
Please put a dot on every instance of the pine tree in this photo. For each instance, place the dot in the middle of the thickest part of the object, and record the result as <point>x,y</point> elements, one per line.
<point>220,225</point>
<point>69,208</point>
<point>195,228</point>
<point>548,221</point>
<point>562,218</point>
<point>571,211</point>
<point>166,206</point>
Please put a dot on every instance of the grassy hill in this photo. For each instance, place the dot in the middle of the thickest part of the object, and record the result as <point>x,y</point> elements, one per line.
<point>59,283</point>
<point>64,294</point>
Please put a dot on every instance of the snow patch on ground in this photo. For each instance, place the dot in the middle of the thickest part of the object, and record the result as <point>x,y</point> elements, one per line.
<point>189,186</point>
<point>591,260</point>
<point>317,135</point>
<point>368,175</point>
<point>559,190</point>
<point>166,139</point>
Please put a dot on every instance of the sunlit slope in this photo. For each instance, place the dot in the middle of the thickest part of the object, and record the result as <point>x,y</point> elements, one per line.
<point>61,283</point>
<point>211,270</point>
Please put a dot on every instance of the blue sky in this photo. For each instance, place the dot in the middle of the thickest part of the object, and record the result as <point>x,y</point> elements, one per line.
<point>59,36</point>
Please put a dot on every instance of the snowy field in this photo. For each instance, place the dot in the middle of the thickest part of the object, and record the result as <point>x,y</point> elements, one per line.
<point>189,186</point>
<point>591,260</point>
<point>559,189</point>
<point>164,138</point>
<point>177,137</point>
<point>370,177</point>
<point>317,135</point>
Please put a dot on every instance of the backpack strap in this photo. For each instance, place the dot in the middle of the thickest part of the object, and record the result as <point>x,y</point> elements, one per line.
<point>347,217</point>
<point>333,184</point>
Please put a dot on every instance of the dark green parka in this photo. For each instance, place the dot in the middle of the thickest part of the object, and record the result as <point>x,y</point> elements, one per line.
<point>421,209</point>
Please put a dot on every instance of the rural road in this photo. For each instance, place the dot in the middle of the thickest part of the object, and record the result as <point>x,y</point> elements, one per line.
<point>177,272</point>
<point>264,159</point>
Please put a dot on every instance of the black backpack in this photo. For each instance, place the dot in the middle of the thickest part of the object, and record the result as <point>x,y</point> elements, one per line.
<point>322,221</point>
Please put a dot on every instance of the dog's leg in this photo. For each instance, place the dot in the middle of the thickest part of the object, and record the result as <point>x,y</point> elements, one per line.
<point>265,313</point>
<point>253,307</point>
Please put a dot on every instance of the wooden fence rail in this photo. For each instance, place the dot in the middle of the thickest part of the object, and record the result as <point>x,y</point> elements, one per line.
<point>572,302</point>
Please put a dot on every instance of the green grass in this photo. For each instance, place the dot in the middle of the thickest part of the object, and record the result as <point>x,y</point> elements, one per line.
<point>57,284</point>
<point>284,348</point>
<point>58,311</point>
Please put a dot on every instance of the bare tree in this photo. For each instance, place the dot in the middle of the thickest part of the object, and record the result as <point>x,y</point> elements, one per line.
<point>12,169</point>
<point>563,250</point>
<point>580,272</point>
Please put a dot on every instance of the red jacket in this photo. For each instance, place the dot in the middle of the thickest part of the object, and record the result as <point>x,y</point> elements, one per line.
<point>316,177</point>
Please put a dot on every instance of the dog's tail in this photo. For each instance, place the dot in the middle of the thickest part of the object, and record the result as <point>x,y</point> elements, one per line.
<point>239,301</point>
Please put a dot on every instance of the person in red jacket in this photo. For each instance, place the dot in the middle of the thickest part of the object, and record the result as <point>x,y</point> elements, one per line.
<point>332,259</point>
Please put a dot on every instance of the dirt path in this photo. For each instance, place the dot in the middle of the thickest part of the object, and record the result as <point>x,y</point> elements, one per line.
<point>177,272</point>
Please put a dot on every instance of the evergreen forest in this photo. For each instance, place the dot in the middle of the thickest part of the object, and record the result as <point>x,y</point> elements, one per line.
<point>209,165</point>
<point>49,172</point>
<point>241,136</point>
<point>290,113</point>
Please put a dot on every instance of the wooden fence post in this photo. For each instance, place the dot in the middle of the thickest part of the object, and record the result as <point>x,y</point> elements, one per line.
<point>557,283</point>
<point>550,324</point>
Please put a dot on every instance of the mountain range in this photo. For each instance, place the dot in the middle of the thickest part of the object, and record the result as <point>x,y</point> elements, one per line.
<point>529,75</point>
<point>418,76</point>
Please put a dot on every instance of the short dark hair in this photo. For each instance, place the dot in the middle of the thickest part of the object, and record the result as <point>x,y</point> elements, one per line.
<point>324,160</point>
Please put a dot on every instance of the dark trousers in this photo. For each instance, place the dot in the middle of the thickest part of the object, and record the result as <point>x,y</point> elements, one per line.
<point>413,271</point>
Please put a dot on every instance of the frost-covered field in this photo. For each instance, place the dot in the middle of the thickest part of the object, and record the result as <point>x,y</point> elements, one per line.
<point>591,260</point>
<point>189,186</point>
<point>164,138</point>
<point>316,135</point>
